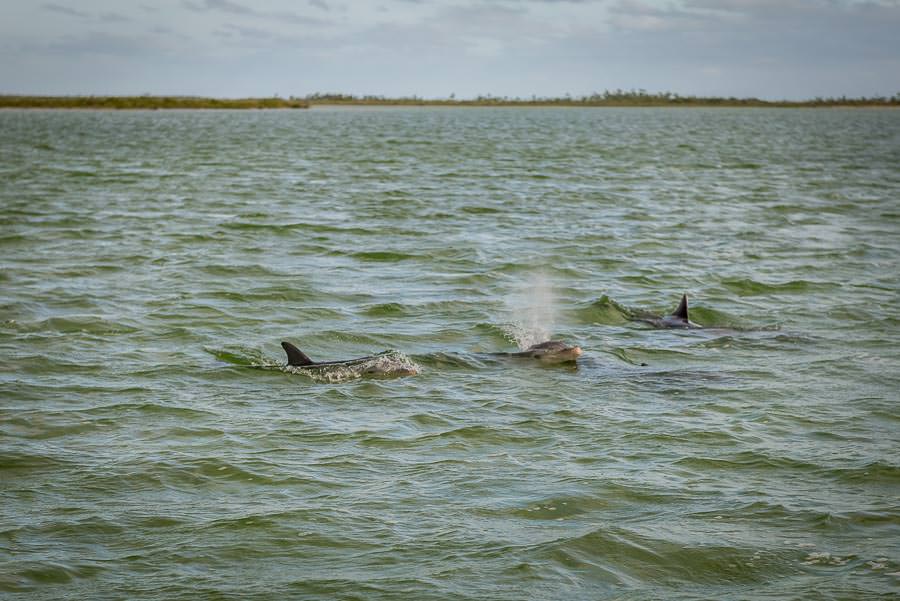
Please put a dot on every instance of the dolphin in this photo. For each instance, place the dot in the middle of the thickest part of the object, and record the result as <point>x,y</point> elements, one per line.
<point>678,319</point>
<point>379,364</point>
<point>548,353</point>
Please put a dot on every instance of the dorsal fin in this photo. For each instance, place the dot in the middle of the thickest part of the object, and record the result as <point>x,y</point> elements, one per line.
<point>682,310</point>
<point>295,355</point>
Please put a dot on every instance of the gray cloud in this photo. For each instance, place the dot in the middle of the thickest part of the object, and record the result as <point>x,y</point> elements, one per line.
<point>108,17</point>
<point>103,43</point>
<point>244,34</point>
<point>64,10</point>
<point>474,29</point>
<point>768,48</point>
<point>635,15</point>
<point>113,18</point>
<point>233,8</point>
<point>766,29</point>
<point>254,36</point>
<point>220,5</point>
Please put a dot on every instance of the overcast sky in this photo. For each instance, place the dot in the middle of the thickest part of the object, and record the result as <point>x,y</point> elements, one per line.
<point>772,49</point>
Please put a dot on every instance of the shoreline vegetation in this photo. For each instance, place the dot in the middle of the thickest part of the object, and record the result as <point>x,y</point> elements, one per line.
<point>617,98</point>
<point>148,102</point>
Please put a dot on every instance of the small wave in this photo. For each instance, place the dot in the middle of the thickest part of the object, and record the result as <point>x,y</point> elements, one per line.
<point>74,324</point>
<point>630,554</point>
<point>494,332</point>
<point>13,461</point>
<point>458,437</point>
<point>333,336</point>
<point>240,355</point>
<point>746,460</point>
<point>481,210</point>
<point>551,508</point>
<point>749,287</point>
<point>877,471</point>
<point>383,256</point>
<point>77,173</point>
<point>712,318</point>
<point>268,293</point>
<point>387,310</point>
<point>150,410</point>
<point>47,430</point>
<point>630,356</point>
<point>214,468</point>
<point>42,573</point>
<point>605,311</point>
<point>236,271</point>
<point>813,517</point>
<point>636,355</point>
<point>276,228</point>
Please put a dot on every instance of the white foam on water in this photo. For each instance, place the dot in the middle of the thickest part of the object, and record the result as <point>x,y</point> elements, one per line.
<point>533,310</point>
<point>387,364</point>
<point>825,558</point>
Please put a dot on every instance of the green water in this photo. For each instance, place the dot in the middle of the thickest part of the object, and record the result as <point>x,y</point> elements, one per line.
<point>152,448</point>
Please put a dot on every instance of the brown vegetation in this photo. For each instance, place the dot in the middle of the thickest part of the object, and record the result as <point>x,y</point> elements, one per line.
<point>148,102</point>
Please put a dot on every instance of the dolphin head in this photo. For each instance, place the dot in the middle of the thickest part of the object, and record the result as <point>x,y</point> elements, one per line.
<point>554,352</point>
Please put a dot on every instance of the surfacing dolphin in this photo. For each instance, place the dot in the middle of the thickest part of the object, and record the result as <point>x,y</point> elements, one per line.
<point>678,319</point>
<point>380,364</point>
<point>550,352</point>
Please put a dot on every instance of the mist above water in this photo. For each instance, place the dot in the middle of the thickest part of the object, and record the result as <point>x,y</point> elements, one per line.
<point>533,311</point>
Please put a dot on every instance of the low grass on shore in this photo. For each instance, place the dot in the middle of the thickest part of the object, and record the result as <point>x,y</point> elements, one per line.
<point>148,102</point>
<point>618,98</point>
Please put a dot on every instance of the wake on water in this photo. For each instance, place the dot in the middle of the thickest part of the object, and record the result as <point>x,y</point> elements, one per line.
<point>386,364</point>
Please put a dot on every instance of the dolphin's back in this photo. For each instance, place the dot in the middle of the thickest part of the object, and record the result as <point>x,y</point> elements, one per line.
<point>297,358</point>
<point>388,363</point>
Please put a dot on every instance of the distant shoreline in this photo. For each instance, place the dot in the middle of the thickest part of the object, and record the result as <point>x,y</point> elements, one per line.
<point>614,100</point>
<point>147,102</point>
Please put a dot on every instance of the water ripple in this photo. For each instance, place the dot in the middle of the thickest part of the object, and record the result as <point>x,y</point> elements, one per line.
<point>153,444</point>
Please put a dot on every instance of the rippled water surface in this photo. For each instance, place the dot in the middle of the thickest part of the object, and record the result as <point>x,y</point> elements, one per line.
<point>152,446</point>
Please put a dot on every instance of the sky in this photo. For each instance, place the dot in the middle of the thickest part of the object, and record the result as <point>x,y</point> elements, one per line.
<point>772,49</point>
